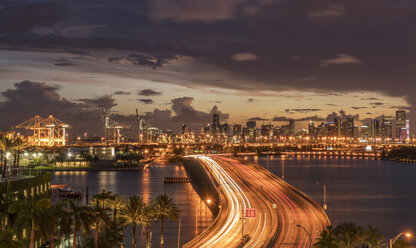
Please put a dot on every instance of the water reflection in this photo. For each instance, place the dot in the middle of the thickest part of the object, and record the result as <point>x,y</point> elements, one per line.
<point>148,184</point>
<point>366,191</point>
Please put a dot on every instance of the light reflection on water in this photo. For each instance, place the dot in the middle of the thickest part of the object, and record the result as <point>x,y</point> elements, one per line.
<point>147,184</point>
<point>364,191</point>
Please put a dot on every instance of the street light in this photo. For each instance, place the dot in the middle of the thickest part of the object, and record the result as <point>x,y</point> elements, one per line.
<point>408,235</point>
<point>324,206</point>
<point>308,233</point>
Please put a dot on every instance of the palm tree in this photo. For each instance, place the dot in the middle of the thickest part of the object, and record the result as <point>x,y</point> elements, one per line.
<point>81,219</point>
<point>132,213</point>
<point>6,240</point>
<point>149,215</point>
<point>102,198</point>
<point>374,238</point>
<point>116,203</point>
<point>7,200</point>
<point>18,146</point>
<point>63,222</point>
<point>165,209</point>
<point>349,235</point>
<point>6,145</point>
<point>36,216</point>
<point>326,239</point>
<point>101,217</point>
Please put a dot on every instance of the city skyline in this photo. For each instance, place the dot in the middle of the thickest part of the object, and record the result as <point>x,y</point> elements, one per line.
<point>181,61</point>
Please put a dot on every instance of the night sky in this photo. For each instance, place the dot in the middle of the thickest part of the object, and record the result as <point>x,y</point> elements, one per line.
<point>183,60</point>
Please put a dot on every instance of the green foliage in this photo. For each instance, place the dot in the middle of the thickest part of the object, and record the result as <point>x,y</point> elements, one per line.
<point>164,209</point>
<point>100,224</point>
<point>349,235</point>
<point>402,153</point>
<point>401,244</point>
<point>6,240</point>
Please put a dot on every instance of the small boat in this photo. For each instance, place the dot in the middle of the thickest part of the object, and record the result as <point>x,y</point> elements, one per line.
<point>68,192</point>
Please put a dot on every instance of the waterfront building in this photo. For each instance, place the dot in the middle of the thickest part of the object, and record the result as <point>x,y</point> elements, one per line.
<point>401,125</point>
<point>375,129</point>
<point>387,128</point>
<point>337,124</point>
<point>311,129</point>
<point>215,123</point>
<point>365,132</point>
<point>348,127</point>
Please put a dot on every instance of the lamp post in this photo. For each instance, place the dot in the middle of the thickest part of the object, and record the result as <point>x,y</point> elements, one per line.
<point>397,237</point>
<point>325,205</point>
<point>308,233</point>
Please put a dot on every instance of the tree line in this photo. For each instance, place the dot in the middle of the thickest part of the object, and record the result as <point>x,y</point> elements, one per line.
<point>13,148</point>
<point>350,235</point>
<point>99,224</point>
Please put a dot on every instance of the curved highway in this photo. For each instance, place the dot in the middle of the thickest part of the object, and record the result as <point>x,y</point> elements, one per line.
<point>284,216</point>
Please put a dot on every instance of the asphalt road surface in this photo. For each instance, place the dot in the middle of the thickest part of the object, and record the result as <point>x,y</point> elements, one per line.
<point>284,216</point>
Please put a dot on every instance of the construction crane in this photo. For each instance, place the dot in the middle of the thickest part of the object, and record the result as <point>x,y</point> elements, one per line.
<point>112,128</point>
<point>46,131</point>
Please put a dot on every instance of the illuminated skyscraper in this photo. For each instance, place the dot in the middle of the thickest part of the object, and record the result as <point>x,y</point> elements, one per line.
<point>387,127</point>
<point>311,129</point>
<point>400,124</point>
<point>348,128</point>
<point>215,123</point>
<point>375,129</point>
<point>337,123</point>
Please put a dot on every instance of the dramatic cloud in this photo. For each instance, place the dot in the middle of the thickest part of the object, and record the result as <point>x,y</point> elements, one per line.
<point>311,118</point>
<point>376,103</point>
<point>65,64</point>
<point>182,112</point>
<point>244,57</point>
<point>19,16</point>
<point>341,59</point>
<point>149,92</point>
<point>257,119</point>
<point>303,111</point>
<point>107,101</point>
<point>28,99</point>
<point>342,114</point>
<point>137,59</point>
<point>280,118</point>
<point>122,93</point>
<point>146,101</point>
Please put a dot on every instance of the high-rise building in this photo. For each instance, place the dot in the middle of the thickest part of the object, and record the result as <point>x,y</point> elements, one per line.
<point>332,129</point>
<point>292,127</point>
<point>365,132</point>
<point>215,123</point>
<point>337,123</point>
<point>251,124</point>
<point>375,128</point>
<point>267,130</point>
<point>225,129</point>
<point>400,124</point>
<point>237,130</point>
<point>251,131</point>
<point>311,129</point>
<point>407,129</point>
<point>387,128</point>
<point>348,129</point>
